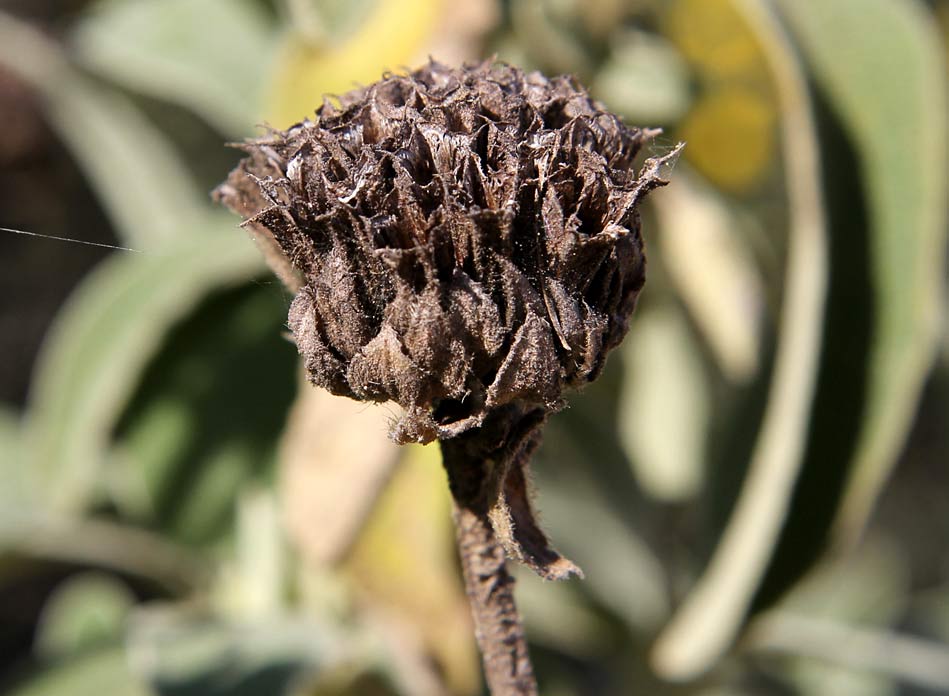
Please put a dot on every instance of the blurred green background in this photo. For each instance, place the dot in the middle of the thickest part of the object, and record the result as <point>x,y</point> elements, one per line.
<point>757,488</point>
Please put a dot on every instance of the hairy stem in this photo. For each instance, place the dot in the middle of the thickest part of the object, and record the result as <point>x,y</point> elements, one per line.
<point>475,463</point>
<point>490,588</point>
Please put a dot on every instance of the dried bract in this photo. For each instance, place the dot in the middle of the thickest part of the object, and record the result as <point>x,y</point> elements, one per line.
<point>467,239</point>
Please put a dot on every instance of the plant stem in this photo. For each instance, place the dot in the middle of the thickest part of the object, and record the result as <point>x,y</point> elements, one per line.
<point>490,588</point>
<point>476,463</point>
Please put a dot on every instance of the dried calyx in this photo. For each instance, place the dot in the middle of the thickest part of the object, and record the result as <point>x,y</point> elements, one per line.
<point>468,245</point>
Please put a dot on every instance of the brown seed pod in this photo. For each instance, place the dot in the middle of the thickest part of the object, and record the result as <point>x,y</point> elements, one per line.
<point>467,238</point>
<point>466,243</point>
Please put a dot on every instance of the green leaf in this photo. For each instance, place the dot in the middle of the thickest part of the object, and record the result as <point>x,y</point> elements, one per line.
<point>146,189</point>
<point>713,272</point>
<point>556,616</point>
<point>207,415</point>
<point>931,614</point>
<point>12,472</point>
<point>101,341</point>
<point>645,80</point>
<point>621,570</point>
<point>28,530</point>
<point>548,41</point>
<point>210,56</point>
<point>584,483</point>
<point>103,672</point>
<point>666,406</point>
<point>712,615</point>
<point>869,586</point>
<point>180,653</point>
<point>86,611</point>
<point>880,65</point>
<point>327,22</point>
<point>837,629</point>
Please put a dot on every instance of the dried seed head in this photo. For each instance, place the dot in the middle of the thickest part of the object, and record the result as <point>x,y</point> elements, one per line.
<point>467,239</point>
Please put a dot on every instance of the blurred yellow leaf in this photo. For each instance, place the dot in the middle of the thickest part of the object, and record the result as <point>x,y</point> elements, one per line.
<point>391,37</point>
<point>404,561</point>
<point>714,36</point>
<point>335,459</point>
<point>731,136</point>
<point>731,128</point>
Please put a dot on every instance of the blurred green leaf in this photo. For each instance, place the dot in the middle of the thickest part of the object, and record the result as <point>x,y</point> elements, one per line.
<point>147,190</point>
<point>392,34</point>
<point>880,64</point>
<point>620,568</point>
<point>145,187</point>
<point>817,679</point>
<point>28,530</point>
<point>208,657</point>
<point>665,406</point>
<point>182,654</point>
<point>713,272</point>
<point>86,611</point>
<point>645,79</point>
<point>712,615</point>
<point>211,56</point>
<point>207,413</point>
<point>96,674</point>
<point>547,41</point>
<point>838,628</point>
<point>931,612</point>
<point>830,656</point>
<point>12,472</point>
<point>556,616</point>
<point>857,660</point>
<point>868,586</point>
<point>103,338</point>
<point>261,570</point>
<point>330,22</point>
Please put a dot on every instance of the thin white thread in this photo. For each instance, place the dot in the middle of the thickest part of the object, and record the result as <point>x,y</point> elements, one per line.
<point>67,239</point>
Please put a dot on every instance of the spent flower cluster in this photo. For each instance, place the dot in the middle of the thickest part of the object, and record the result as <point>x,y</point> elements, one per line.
<point>467,238</point>
<point>465,243</point>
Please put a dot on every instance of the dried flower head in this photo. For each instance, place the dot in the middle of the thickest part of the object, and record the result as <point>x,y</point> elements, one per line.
<point>467,239</point>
